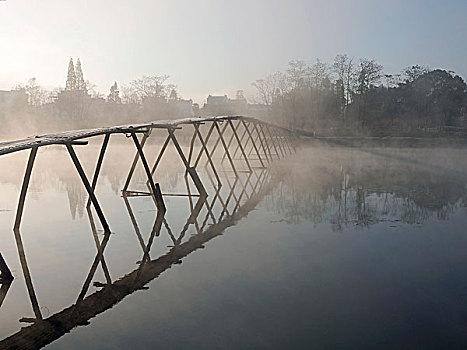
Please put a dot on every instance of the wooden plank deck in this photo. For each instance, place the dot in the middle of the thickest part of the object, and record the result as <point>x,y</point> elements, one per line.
<point>75,135</point>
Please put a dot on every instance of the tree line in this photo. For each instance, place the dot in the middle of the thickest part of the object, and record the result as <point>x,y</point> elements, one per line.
<point>350,96</point>
<point>344,97</point>
<point>80,105</point>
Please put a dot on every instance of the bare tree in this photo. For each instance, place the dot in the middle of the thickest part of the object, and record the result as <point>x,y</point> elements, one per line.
<point>344,68</point>
<point>36,94</point>
<point>129,96</point>
<point>268,88</point>
<point>150,86</point>
<point>369,74</point>
<point>297,73</point>
<point>317,74</point>
<point>90,88</point>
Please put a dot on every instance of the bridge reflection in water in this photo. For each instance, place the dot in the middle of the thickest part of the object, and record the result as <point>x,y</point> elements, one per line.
<point>247,145</point>
<point>221,210</point>
<point>330,187</point>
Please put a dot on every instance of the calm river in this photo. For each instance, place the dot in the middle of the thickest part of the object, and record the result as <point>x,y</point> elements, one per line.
<point>332,248</point>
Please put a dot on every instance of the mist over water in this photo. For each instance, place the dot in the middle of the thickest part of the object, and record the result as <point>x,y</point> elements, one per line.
<point>233,175</point>
<point>346,247</point>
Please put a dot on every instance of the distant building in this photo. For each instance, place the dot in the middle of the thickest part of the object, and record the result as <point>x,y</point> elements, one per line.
<point>11,101</point>
<point>222,105</point>
<point>196,109</point>
<point>160,107</point>
<point>181,108</point>
<point>217,100</point>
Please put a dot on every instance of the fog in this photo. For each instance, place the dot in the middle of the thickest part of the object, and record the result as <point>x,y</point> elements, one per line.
<point>327,210</point>
<point>236,175</point>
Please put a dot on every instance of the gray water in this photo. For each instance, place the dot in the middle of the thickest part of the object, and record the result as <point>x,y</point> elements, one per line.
<point>336,248</point>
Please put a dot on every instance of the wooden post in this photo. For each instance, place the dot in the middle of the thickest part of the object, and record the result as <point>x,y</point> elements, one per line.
<point>254,144</point>
<point>133,165</point>
<point>88,187</point>
<point>214,124</point>
<point>245,146</point>
<point>191,170</point>
<point>159,156</point>
<point>204,147</point>
<point>154,188</point>
<point>275,141</point>
<point>24,188</point>
<point>98,166</point>
<point>241,146</point>
<point>262,143</point>
<point>206,140</point>
<point>225,147</point>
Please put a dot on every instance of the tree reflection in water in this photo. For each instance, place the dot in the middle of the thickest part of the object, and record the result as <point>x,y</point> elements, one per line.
<point>335,188</point>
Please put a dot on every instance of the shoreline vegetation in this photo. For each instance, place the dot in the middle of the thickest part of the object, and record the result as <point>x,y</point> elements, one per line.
<point>345,98</point>
<point>392,141</point>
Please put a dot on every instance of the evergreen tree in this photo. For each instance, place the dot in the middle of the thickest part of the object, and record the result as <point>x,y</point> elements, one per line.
<point>80,84</point>
<point>71,77</point>
<point>114,95</point>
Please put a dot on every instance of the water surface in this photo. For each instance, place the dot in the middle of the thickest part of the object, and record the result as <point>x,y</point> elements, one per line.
<point>335,247</point>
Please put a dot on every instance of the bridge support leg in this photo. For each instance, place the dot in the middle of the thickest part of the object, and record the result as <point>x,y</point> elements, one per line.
<point>226,149</point>
<point>205,149</point>
<point>240,145</point>
<point>98,166</point>
<point>245,146</point>
<point>206,140</point>
<point>24,188</point>
<point>155,189</point>
<point>133,165</point>
<point>262,142</point>
<point>19,243</point>
<point>191,170</point>
<point>159,156</point>
<point>229,143</point>
<point>254,146</point>
<point>220,132</point>
<point>277,141</point>
<point>88,187</point>
<point>266,141</point>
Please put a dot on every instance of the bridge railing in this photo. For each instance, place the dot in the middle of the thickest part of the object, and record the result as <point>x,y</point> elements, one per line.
<point>44,330</point>
<point>231,138</point>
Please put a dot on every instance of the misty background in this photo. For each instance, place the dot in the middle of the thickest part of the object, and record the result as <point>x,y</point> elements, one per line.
<point>326,68</point>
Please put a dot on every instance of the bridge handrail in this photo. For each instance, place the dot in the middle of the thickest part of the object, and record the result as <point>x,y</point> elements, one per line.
<point>75,135</point>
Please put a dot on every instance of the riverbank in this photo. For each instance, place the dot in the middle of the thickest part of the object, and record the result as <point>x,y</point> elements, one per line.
<point>391,141</point>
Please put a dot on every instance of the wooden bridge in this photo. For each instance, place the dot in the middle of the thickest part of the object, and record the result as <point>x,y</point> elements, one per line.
<point>43,331</point>
<point>248,145</point>
<point>253,142</point>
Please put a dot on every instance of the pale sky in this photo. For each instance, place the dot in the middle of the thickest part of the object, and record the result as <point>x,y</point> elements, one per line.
<point>218,47</point>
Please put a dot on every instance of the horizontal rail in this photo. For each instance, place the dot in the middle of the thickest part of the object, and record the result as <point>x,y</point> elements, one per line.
<point>74,135</point>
